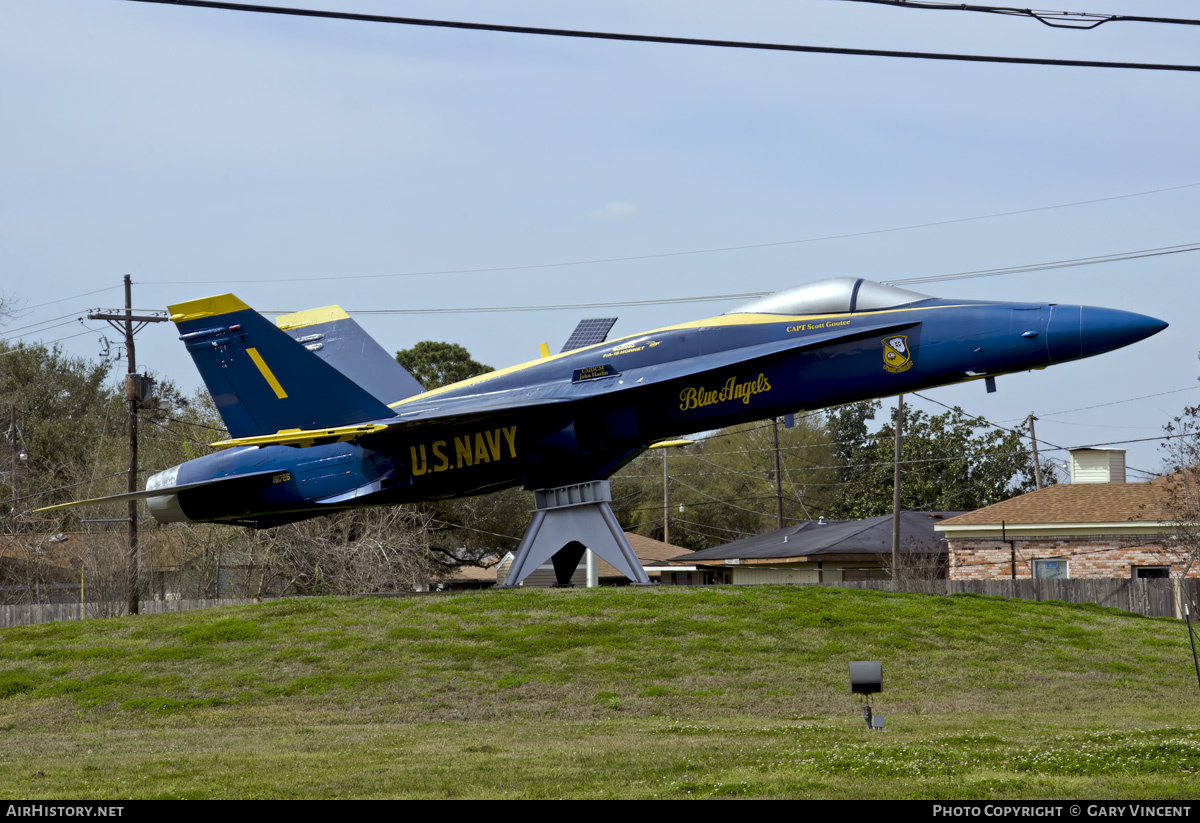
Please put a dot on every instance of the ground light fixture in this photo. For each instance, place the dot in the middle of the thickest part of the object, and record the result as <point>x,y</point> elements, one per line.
<point>866,678</point>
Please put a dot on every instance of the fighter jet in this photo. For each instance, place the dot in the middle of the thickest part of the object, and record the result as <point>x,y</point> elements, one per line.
<point>321,418</point>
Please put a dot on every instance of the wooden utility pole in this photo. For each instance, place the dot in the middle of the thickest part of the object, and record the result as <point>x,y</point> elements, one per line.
<point>778,480</point>
<point>124,322</point>
<point>1037,467</point>
<point>664,445</point>
<point>12,437</point>
<point>666,503</point>
<point>896,490</point>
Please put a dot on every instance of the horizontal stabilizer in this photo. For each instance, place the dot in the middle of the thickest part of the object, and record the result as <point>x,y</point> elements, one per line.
<point>159,492</point>
<point>304,437</point>
<point>262,380</point>
<point>336,338</point>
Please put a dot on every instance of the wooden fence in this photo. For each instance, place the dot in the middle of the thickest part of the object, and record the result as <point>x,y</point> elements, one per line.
<point>1155,598</point>
<point>26,614</point>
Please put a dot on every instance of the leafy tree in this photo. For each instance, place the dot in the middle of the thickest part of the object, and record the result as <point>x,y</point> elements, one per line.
<point>436,364</point>
<point>949,462</point>
<point>61,404</point>
<point>854,448</point>
<point>725,484</point>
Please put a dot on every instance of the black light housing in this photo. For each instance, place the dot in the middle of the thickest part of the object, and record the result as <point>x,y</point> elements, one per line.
<point>866,676</point>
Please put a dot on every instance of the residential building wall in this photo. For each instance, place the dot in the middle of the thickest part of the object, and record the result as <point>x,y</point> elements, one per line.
<point>758,576</point>
<point>1092,556</point>
<point>783,575</point>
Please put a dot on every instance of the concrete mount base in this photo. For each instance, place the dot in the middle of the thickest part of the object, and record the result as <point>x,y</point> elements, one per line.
<point>569,520</point>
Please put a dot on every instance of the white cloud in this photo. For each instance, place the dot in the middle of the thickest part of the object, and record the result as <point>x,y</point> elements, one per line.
<point>616,210</point>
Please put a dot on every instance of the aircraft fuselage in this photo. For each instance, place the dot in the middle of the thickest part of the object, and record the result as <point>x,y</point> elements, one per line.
<point>582,414</point>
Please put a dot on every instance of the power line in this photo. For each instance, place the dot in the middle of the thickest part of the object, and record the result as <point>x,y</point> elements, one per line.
<point>679,41</point>
<point>459,526</point>
<point>22,347</point>
<point>708,298</point>
<point>715,250</point>
<point>1055,447</point>
<point>1079,20</point>
<point>72,297</point>
<point>43,322</point>
<point>45,492</point>
<point>1116,402</point>
<point>47,328</point>
<point>1055,264</point>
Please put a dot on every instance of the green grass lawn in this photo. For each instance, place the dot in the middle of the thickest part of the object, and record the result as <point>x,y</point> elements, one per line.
<point>656,692</point>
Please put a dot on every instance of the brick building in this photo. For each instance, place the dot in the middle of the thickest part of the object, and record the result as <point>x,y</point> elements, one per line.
<point>1097,527</point>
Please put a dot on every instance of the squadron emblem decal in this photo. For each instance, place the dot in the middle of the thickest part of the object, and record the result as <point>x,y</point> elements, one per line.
<point>897,357</point>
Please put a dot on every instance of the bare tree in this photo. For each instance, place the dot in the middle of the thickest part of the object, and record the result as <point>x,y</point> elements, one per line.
<point>1177,501</point>
<point>921,566</point>
<point>366,550</point>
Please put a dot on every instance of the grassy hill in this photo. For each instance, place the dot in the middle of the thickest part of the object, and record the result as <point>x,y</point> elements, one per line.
<point>663,692</point>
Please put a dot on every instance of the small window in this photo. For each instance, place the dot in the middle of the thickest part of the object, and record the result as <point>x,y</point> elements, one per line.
<point>1050,569</point>
<point>1151,572</point>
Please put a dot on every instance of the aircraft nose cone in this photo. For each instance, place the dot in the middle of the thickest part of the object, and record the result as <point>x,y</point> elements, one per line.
<point>1102,330</point>
<point>1081,331</point>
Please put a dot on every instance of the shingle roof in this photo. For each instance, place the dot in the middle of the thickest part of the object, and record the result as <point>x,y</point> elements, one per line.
<point>872,536</point>
<point>1075,503</point>
<point>648,550</point>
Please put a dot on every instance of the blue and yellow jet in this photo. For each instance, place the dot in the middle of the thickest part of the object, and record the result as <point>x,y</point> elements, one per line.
<point>321,418</point>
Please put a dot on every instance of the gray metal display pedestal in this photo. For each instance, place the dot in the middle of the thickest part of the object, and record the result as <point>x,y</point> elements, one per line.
<point>569,520</point>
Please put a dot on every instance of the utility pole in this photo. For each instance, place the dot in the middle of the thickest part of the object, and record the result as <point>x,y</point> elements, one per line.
<point>12,437</point>
<point>664,445</point>
<point>666,503</point>
<point>896,490</point>
<point>124,322</point>
<point>17,456</point>
<point>778,483</point>
<point>1037,467</point>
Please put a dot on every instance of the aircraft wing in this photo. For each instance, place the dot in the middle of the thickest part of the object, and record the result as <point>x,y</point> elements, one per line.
<point>673,369</point>
<point>443,410</point>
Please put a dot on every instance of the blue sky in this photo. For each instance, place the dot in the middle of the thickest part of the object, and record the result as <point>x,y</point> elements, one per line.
<point>208,151</point>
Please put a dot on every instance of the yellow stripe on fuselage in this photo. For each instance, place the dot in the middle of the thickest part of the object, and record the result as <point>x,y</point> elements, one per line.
<point>205,307</point>
<point>266,373</point>
<point>311,317</point>
<point>739,319</point>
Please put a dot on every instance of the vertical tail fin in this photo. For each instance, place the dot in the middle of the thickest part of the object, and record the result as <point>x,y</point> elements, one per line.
<point>261,379</point>
<point>336,338</point>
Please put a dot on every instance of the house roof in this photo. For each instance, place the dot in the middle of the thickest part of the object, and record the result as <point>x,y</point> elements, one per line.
<point>649,551</point>
<point>1074,503</point>
<point>470,573</point>
<point>872,536</point>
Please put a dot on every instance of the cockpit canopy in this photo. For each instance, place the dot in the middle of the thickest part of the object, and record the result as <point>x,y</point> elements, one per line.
<point>837,295</point>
